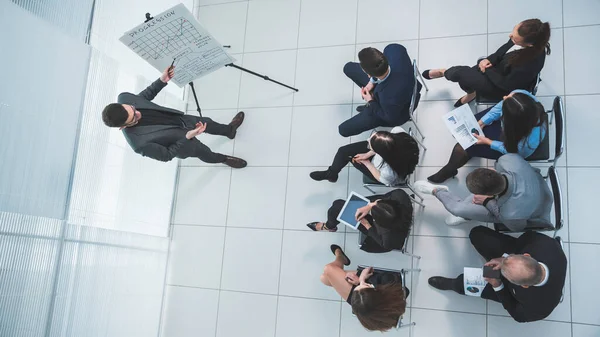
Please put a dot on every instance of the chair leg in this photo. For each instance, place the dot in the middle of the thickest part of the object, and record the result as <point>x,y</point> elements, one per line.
<point>421,144</point>
<point>410,254</point>
<point>408,184</point>
<point>368,187</point>
<point>419,131</point>
<point>402,326</point>
<point>421,77</point>
<point>418,202</point>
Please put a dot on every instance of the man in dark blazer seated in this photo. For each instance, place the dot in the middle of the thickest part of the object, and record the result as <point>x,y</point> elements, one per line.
<point>386,81</point>
<point>162,133</point>
<point>533,269</point>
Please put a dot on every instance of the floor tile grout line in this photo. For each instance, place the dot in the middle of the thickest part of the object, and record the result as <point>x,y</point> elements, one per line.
<point>349,103</point>
<point>567,163</point>
<point>230,182</point>
<point>351,233</point>
<point>255,293</point>
<point>487,50</point>
<point>287,172</point>
<point>412,230</point>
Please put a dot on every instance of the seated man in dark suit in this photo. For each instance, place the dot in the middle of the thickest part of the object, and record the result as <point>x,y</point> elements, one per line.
<point>161,133</point>
<point>386,81</point>
<point>533,269</point>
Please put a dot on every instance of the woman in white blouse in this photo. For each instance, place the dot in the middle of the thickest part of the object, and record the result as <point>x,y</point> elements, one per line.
<point>387,157</point>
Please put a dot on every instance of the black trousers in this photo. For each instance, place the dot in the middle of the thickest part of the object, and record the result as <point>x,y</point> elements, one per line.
<point>344,156</point>
<point>489,244</point>
<point>471,79</point>
<point>195,148</point>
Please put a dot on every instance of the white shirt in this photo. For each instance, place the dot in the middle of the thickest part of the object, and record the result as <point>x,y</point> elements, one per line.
<point>544,281</point>
<point>387,175</point>
<point>514,48</point>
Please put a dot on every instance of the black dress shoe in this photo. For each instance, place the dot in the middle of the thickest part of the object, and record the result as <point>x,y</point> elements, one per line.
<point>235,162</point>
<point>336,247</point>
<point>458,103</point>
<point>322,175</point>
<point>425,74</point>
<point>361,108</point>
<point>441,283</point>
<point>442,175</point>
<point>235,124</point>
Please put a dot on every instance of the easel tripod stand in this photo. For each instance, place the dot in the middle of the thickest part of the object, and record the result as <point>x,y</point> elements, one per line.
<point>264,77</point>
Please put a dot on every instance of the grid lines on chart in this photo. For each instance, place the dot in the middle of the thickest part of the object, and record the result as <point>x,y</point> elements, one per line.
<point>167,39</point>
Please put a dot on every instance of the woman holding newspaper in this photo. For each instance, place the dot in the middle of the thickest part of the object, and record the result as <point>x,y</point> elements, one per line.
<point>517,124</point>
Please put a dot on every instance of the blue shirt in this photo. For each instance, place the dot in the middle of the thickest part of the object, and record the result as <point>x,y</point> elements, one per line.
<point>527,145</point>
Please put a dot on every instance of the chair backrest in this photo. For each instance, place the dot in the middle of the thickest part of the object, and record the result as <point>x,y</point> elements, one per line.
<point>558,109</point>
<point>557,194</point>
<point>413,99</point>
<point>535,85</point>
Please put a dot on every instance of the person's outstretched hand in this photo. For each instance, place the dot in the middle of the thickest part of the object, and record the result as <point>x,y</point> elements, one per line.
<point>198,130</point>
<point>168,74</point>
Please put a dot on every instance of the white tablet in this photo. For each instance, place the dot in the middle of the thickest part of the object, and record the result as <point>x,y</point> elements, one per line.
<point>347,215</point>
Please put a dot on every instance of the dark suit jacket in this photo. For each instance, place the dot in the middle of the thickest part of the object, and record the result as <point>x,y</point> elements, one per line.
<point>509,78</point>
<point>160,142</point>
<point>391,98</point>
<point>534,303</point>
<point>381,239</point>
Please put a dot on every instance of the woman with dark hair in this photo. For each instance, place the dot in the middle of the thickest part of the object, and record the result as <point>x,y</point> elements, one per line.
<point>386,221</point>
<point>378,300</point>
<point>518,124</point>
<point>515,65</point>
<point>388,157</point>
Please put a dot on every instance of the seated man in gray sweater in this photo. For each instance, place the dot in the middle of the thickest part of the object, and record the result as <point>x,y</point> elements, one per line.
<point>515,194</point>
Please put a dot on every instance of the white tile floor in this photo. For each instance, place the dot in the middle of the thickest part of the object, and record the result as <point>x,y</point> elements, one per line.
<point>242,261</point>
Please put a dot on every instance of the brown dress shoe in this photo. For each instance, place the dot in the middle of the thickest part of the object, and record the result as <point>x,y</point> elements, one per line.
<point>235,162</point>
<point>235,124</point>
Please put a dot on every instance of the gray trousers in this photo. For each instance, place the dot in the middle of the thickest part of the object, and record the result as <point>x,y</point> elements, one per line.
<point>464,208</point>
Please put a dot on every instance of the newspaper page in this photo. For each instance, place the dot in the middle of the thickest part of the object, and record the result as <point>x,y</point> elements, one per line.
<point>462,125</point>
<point>474,282</point>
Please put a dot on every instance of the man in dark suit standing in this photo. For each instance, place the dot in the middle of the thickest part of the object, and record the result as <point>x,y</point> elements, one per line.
<point>386,81</point>
<point>162,133</point>
<point>533,268</point>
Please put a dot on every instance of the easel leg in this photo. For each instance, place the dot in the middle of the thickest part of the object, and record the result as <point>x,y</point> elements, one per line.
<point>195,99</point>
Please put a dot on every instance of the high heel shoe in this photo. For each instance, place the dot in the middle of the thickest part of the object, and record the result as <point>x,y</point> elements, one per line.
<point>458,103</point>
<point>442,175</point>
<point>336,247</point>
<point>313,226</point>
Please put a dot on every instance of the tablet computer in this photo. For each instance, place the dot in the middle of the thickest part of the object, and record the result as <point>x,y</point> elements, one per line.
<point>347,215</point>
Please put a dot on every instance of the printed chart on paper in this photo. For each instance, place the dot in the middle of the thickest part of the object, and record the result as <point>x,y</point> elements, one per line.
<point>176,34</point>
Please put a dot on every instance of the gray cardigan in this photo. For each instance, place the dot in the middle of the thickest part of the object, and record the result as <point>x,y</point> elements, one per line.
<point>527,201</point>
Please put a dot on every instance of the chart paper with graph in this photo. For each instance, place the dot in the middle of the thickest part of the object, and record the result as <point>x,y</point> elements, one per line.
<point>176,34</point>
